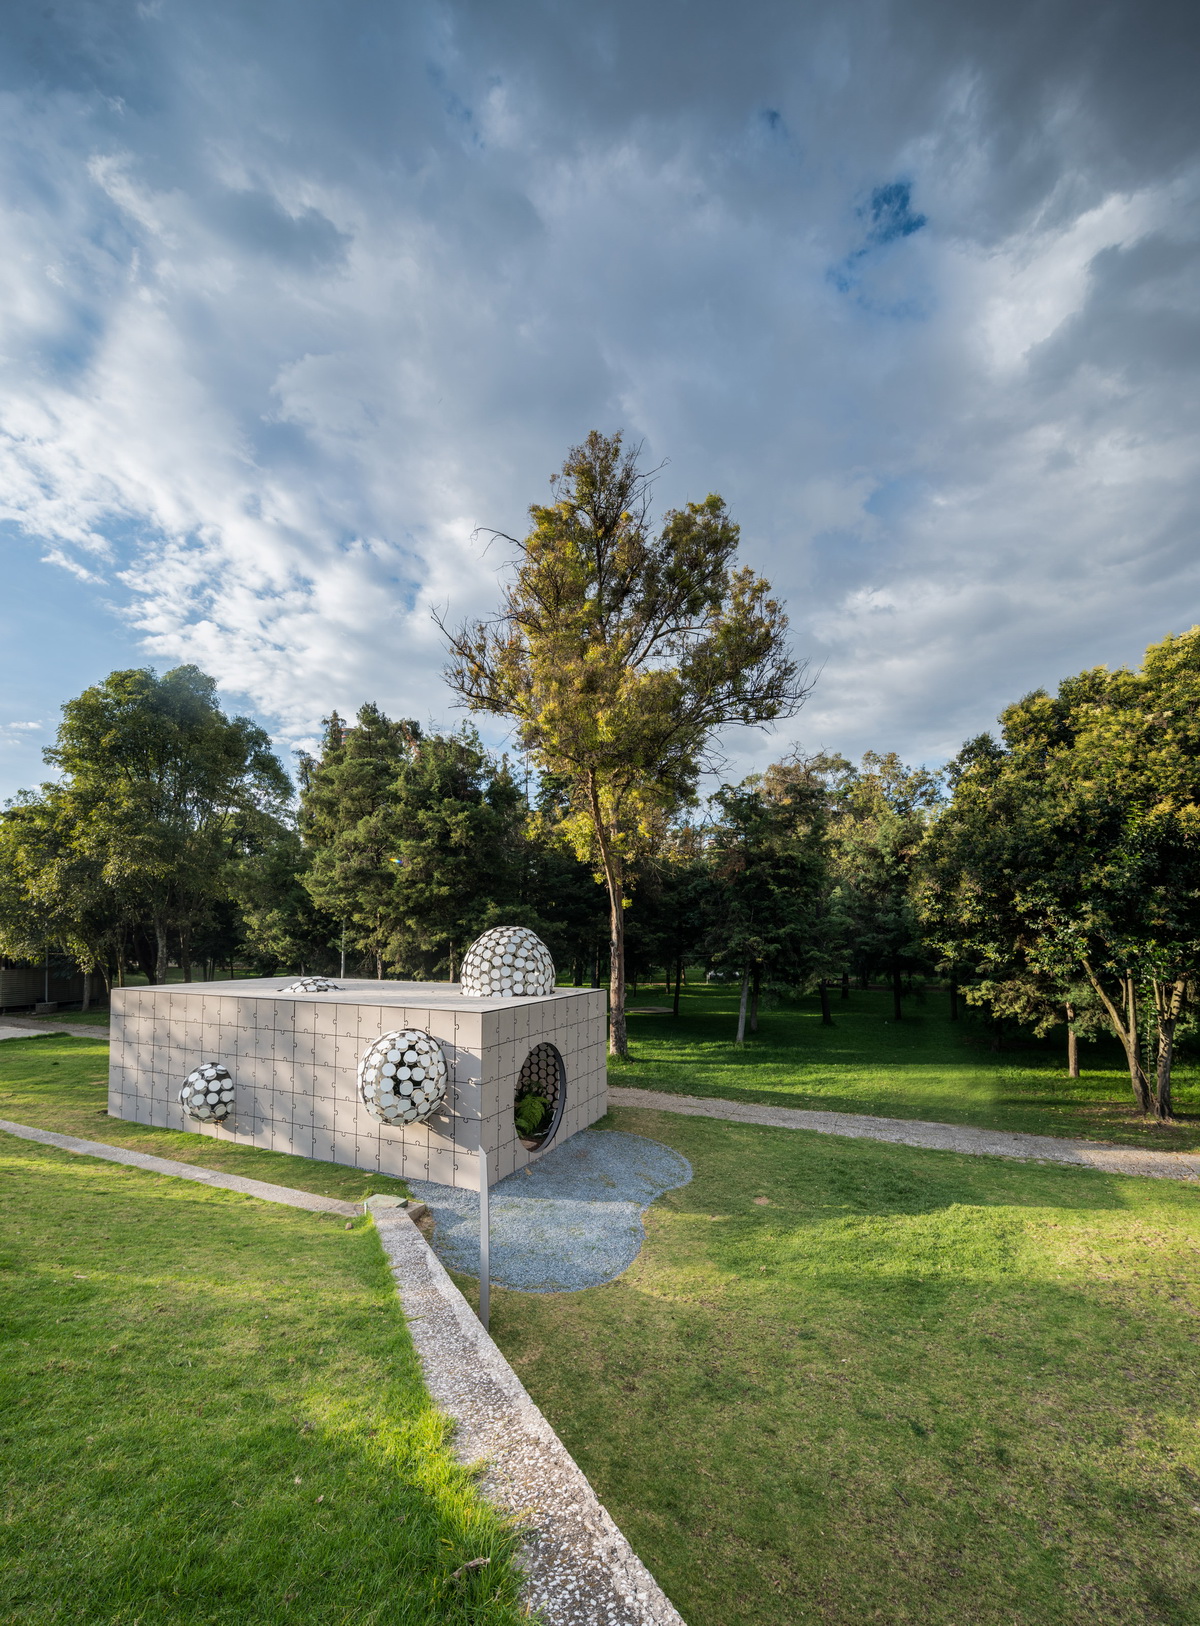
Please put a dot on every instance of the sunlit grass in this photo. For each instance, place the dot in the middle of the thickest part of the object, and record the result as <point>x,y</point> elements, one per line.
<point>60,1082</point>
<point>922,1067</point>
<point>212,1411</point>
<point>909,1386</point>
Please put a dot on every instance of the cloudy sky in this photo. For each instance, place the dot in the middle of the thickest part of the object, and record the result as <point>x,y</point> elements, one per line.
<point>297,295</point>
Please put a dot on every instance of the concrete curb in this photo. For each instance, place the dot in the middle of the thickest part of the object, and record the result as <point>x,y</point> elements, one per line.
<point>185,1171</point>
<point>936,1137</point>
<point>580,1569</point>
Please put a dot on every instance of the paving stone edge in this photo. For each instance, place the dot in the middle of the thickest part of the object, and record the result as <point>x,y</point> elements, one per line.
<point>263,1189</point>
<point>580,1569</point>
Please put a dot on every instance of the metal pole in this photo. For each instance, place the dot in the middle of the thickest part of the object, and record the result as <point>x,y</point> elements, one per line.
<point>485,1226</point>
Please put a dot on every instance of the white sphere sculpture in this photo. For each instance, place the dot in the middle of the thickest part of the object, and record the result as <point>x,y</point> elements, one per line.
<point>207,1093</point>
<point>311,985</point>
<point>402,1077</point>
<point>507,961</point>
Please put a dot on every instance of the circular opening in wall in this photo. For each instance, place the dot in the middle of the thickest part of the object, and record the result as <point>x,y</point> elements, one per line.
<point>541,1090</point>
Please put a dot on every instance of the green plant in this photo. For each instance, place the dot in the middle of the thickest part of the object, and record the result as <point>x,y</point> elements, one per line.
<point>530,1113</point>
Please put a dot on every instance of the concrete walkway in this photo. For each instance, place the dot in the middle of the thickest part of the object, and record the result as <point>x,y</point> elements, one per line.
<point>579,1568</point>
<point>938,1137</point>
<point>185,1171</point>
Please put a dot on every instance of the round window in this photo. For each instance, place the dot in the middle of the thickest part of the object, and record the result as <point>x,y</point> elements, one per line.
<point>541,1090</point>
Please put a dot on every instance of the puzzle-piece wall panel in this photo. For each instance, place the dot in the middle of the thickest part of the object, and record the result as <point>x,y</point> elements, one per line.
<point>293,1059</point>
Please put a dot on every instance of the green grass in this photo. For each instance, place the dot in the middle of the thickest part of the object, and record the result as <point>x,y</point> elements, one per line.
<point>922,1067</point>
<point>61,1083</point>
<point>911,1386</point>
<point>211,1411</point>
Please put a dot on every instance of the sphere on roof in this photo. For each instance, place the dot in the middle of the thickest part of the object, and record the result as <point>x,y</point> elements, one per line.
<point>311,985</point>
<point>507,962</point>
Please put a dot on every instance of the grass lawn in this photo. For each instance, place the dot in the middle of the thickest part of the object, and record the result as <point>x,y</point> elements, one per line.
<point>211,1411</point>
<point>910,1386</point>
<point>60,1082</point>
<point>922,1067</point>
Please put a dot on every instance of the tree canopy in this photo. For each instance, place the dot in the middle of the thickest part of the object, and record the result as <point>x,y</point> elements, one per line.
<point>618,652</point>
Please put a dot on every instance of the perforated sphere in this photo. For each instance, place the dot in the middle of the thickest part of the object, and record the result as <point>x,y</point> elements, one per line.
<point>402,1077</point>
<point>207,1093</point>
<point>311,985</point>
<point>508,961</point>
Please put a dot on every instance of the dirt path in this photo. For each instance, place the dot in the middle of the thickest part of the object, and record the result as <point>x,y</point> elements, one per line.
<point>938,1137</point>
<point>29,1027</point>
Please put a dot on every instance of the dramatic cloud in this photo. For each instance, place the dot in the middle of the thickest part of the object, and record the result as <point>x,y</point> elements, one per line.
<point>298,296</point>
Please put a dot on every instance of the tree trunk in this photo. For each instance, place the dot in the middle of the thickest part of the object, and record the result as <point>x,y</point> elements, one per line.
<point>678,981</point>
<point>378,966</point>
<point>452,962</point>
<point>755,989</point>
<point>741,1027</point>
<point>1072,1044</point>
<point>826,1013</point>
<point>160,960</point>
<point>953,1000</point>
<point>1168,1006</point>
<point>1162,1080</point>
<point>87,991</point>
<point>185,952</point>
<point>1127,1034</point>
<point>845,985</point>
<point>618,1041</point>
<point>596,966</point>
<point>897,1010</point>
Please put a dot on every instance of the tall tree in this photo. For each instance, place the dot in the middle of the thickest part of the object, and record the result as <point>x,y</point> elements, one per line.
<point>415,840</point>
<point>159,792</point>
<point>881,812</point>
<point>619,653</point>
<point>1071,850</point>
<point>768,849</point>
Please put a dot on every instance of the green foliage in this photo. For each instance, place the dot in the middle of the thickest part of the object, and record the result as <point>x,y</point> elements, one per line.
<point>617,653</point>
<point>530,1113</point>
<point>1071,851</point>
<point>770,865</point>
<point>160,794</point>
<point>415,841</point>
<point>879,816</point>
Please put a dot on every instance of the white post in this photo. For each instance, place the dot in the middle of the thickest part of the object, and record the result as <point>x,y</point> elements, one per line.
<point>485,1225</point>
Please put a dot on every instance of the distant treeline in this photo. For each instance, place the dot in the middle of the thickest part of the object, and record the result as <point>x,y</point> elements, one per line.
<point>1052,876</point>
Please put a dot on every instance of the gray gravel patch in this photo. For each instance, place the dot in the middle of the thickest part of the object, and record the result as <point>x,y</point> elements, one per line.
<point>579,1568</point>
<point>571,1220</point>
<point>938,1137</point>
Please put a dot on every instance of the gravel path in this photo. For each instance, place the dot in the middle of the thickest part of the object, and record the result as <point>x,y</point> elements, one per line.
<point>184,1171</point>
<point>28,1027</point>
<point>573,1219</point>
<point>939,1137</point>
<point>580,1570</point>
